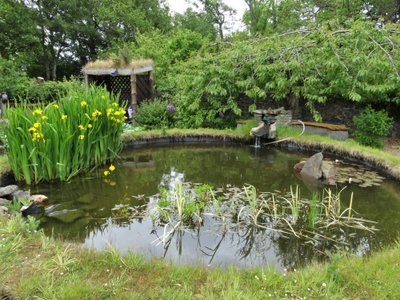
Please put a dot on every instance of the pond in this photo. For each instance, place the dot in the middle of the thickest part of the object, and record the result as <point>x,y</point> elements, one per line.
<point>98,211</point>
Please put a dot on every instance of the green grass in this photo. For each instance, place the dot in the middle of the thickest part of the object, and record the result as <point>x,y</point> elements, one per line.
<point>241,134</point>
<point>35,266</point>
<point>346,149</point>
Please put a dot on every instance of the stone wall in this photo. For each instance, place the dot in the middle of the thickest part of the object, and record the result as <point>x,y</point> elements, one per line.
<point>336,112</point>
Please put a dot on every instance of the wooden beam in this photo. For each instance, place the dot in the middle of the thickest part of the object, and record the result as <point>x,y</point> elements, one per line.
<point>151,83</point>
<point>108,71</point>
<point>121,71</point>
<point>86,80</point>
<point>144,69</point>
<point>134,93</point>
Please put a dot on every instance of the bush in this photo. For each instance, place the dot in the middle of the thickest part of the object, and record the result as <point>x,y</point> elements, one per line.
<point>155,114</point>
<point>13,80</point>
<point>62,139</point>
<point>49,90</point>
<point>371,126</point>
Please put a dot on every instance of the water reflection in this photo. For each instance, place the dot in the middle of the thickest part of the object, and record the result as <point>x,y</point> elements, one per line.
<point>98,210</point>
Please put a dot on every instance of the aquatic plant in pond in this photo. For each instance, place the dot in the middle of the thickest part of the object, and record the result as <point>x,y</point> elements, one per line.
<point>62,139</point>
<point>316,221</point>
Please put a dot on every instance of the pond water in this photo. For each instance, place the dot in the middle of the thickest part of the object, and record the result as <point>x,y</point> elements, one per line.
<point>84,210</point>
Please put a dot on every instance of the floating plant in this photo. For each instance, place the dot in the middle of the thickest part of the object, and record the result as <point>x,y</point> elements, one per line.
<point>317,221</point>
<point>356,174</point>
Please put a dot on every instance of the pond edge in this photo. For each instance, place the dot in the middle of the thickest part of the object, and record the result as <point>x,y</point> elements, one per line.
<point>380,164</point>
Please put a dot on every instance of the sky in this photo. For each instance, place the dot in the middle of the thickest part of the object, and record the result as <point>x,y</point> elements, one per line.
<point>239,5</point>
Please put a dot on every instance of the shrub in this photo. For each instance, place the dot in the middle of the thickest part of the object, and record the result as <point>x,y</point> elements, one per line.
<point>62,139</point>
<point>155,114</point>
<point>371,125</point>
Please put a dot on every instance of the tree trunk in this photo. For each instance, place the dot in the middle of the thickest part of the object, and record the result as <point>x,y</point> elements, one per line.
<point>221,33</point>
<point>274,14</point>
<point>47,69</point>
<point>54,71</point>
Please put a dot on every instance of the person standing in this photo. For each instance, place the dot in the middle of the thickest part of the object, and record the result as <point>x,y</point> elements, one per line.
<point>3,103</point>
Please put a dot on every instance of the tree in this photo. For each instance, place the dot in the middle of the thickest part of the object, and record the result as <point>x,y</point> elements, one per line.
<point>122,20</point>
<point>50,33</point>
<point>217,12</point>
<point>273,16</point>
<point>18,33</point>
<point>196,22</point>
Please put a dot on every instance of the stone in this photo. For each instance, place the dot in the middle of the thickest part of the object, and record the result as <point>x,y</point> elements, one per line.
<point>19,194</point>
<point>50,208</point>
<point>4,201</point>
<point>312,167</point>
<point>3,211</point>
<point>38,199</point>
<point>260,130</point>
<point>32,209</point>
<point>8,190</point>
<point>66,215</point>
<point>299,166</point>
<point>328,172</point>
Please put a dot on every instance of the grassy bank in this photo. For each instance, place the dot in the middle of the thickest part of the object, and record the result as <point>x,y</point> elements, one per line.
<point>240,135</point>
<point>347,149</point>
<point>34,266</point>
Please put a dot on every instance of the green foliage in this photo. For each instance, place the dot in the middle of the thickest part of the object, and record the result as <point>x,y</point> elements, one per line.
<point>196,22</point>
<point>371,125</point>
<point>332,271</point>
<point>20,225</point>
<point>13,80</point>
<point>17,84</point>
<point>60,140</point>
<point>53,36</point>
<point>155,114</point>
<point>355,62</point>
<point>166,50</point>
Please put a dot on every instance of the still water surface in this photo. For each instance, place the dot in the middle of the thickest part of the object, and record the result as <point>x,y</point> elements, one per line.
<point>81,210</point>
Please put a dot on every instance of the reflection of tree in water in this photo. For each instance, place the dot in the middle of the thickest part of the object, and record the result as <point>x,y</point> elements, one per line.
<point>294,252</point>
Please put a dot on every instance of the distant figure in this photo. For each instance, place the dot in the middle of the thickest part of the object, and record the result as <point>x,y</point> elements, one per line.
<point>3,103</point>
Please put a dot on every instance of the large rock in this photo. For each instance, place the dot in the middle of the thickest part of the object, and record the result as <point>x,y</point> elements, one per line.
<point>66,215</point>
<point>299,166</point>
<point>32,209</point>
<point>3,211</point>
<point>312,167</point>
<point>4,201</point>
<point>20,194</point>
<point>329,172</point>
<point>38,199</point>
<point>8,190</point>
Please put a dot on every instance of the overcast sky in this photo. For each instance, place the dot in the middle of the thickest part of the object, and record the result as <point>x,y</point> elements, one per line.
<point>239,5</point>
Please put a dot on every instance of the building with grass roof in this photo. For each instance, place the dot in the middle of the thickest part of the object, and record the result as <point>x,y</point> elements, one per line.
<point>132,80</point>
